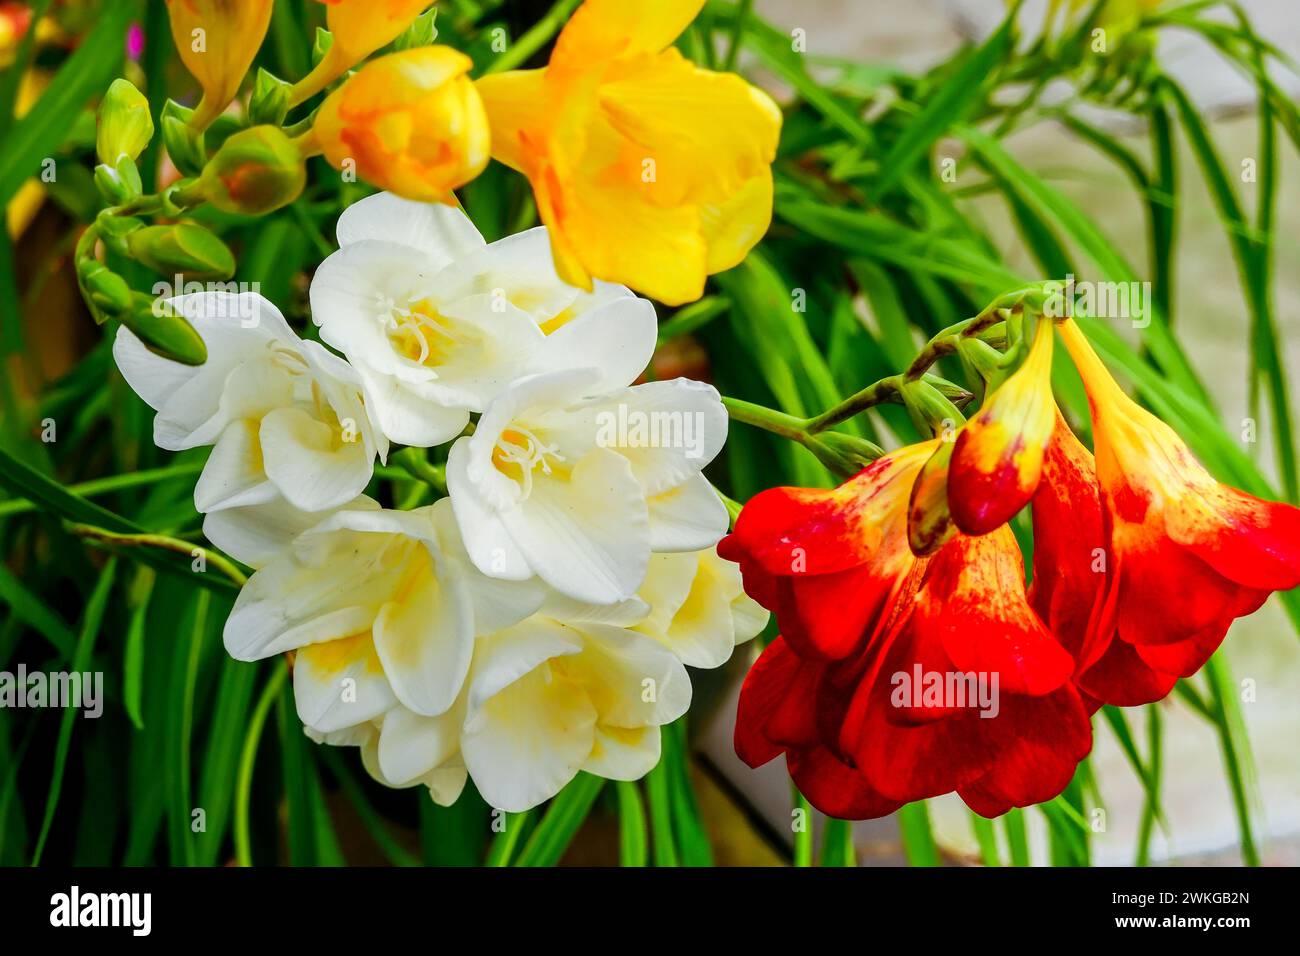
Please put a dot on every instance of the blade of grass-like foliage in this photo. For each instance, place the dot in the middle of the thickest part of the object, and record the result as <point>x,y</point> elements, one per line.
<point>918,838</point>
<point>987,839</point>
<point>837,843</point>
<point>1151,812</point>
<point>311,832</point>
<point>507,841</point>
<point>633,843</point>
<point>179,729</point>
<point>221,757</point>
<point>1150,782</point>
<point>659,796</point>
<point>36,614</point>
<point>1013,823</point>
<point>692,840</point>
<point>1251,251</point>
<point>39,134</point>
<point>954,100</point>
<point>247,758</point>
<point>1236,751</point>
<point>455,835</point>
<point>90,625</point>
<point>564,816</point>
<point>372,821</point>
<point>133,653</point>
<point>803,829</point>
<point>110,484</point>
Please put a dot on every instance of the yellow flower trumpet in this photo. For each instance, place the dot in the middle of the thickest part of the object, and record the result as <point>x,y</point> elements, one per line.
<point>217,40</point>
<point>410,122</point>
<point>648,170</point>
<point>359,28</point>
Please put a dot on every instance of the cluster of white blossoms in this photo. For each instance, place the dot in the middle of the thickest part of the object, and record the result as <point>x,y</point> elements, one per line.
<point>538,620</point>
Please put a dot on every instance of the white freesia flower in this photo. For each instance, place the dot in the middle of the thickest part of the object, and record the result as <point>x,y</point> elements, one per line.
<point>286,418</point>
<point>548,699</point>
<point>381,607</point>
<point>579,490</point>
<point>698,607</point>
<point>437,323</point>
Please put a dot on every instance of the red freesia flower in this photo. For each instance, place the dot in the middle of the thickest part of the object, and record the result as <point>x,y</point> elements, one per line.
<point>1185,553</point>
<point>827,561</point>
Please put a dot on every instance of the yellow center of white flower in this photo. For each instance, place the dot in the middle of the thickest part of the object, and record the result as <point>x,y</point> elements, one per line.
<point>519,452</point>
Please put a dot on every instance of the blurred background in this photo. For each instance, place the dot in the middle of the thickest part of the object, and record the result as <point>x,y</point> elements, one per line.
<point>173,736</point>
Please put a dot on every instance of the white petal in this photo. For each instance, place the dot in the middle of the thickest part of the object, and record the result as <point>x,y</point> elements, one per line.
<point>624,753</point>
<point>669,430</point>
<point>498,603</point>
<point>618,338</point>
<point>309,464</point>
<point>426,636</point>
<point>406,417</point>
<point>632,680</point>
<point>233,475</point>
<point>255,534</point>
<point>526,742</point>
<point>485,538</point>
<point>441,232</point>
<point>445,784</point>
<point>339,684</point>
<point>410,746</point>
<point>502,658</point>
<point>587,536</point>
<point>689,517</point>
<point>696,624</point>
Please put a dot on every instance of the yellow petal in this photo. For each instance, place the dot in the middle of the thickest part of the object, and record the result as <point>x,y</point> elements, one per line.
<point>733,227</point>
<point>679,115</point>
<point>602,29</point>
<point>514,101</point>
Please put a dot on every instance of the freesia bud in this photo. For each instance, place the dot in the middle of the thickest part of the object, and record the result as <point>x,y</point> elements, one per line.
<point>998,458</point>
<point>185,247</point>
<point>105,290</point>
<point>123,126</point>
<point>255,171</point>
<point>217,40</point>
<point>357,28</point>
<point>845,455</point>
<point>929,522</point>
<point>165,332</point>
<point>411,122</point>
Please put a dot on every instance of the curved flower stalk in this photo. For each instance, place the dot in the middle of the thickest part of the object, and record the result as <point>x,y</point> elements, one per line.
<point>287,421</point>
<point>613,151</point>
<point>437,323</point>
<point>579,490</point>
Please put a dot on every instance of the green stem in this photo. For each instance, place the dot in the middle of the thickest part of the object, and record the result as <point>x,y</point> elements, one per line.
<point>768,419</point>
<point>737,31</point>
<point>247,757</point>
<point>115,540</point>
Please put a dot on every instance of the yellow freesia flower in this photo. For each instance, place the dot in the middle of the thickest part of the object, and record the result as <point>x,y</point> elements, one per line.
<point>412,123</point>
<point>217,40</point>
<point>648,170</point>
<point>359,28</point>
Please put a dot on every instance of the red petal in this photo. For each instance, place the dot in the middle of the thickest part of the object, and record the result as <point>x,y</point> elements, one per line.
<point>835,788</point>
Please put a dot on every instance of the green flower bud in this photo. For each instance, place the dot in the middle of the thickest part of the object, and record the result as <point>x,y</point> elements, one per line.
<point>184,145</point>
<point>270,99</point>
<point>255,171</point>
<point>164,331</point>
<point>959,396</point>
<point>105,290</point>
<point>845,455</point>
<point>185,247</point>
<point>931,412</point>
<point>123,126</point>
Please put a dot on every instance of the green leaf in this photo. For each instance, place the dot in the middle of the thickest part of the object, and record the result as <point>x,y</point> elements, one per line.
<point>954,101</point>
<point>90,626</point>
<point>564,816</point>
<point>837,843</point>
<point>633,843</point>
<point>918,840</point>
